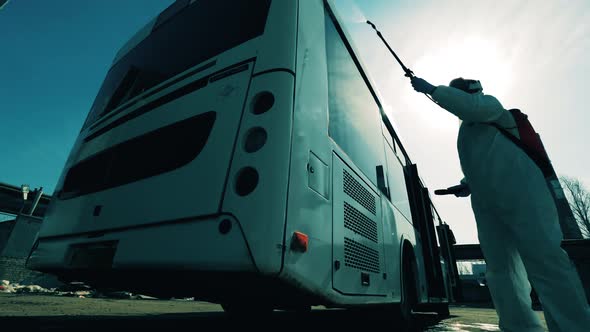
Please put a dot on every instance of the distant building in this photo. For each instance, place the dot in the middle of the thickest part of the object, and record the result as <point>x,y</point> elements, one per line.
<point>472,274</point>
<point>18,235</point>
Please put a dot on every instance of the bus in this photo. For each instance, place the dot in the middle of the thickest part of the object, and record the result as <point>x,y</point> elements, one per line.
<point>238,152</point>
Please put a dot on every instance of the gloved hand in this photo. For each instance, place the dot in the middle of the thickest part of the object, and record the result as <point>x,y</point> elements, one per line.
<point>422,86</point>
<point>460,190</point>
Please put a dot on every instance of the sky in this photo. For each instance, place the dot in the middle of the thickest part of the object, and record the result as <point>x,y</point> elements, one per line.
<point>529,54</point>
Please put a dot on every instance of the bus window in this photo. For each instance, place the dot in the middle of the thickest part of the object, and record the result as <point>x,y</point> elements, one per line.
<point>354,117</point>
<point>197,33</point>
<point>387,136</point>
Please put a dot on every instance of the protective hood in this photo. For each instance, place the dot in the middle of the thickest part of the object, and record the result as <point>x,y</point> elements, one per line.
<point>467,85</point>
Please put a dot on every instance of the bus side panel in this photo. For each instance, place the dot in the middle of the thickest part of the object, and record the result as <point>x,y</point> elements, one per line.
<point>261,211</point>
<point>309,210</point>
<point>392,248</point>
<point>359,262</point>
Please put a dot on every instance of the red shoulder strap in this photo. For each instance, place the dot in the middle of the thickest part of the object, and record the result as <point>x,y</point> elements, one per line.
<point>529,141</point>
<point>528,136</point>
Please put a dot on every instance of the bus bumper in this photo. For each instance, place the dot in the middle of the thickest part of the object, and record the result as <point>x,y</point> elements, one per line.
<point>203,245</point>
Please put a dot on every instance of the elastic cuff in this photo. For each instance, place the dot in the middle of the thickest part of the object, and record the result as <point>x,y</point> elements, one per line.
<point>432,91</point>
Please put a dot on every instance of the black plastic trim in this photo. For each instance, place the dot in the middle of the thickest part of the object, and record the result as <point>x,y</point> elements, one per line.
<point>273,71</point>
<point>102,232</point>
<point>153,92</point>
<point>189,88</point>
<point>159,151</point>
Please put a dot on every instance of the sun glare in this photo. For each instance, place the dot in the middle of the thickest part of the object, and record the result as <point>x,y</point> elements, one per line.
<point>472,58</point>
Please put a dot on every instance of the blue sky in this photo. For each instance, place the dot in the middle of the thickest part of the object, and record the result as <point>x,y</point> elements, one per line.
<point>529,54</point>
<point>54,56</point>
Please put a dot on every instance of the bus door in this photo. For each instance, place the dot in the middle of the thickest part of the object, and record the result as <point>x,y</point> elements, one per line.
<point>422,216</point>
<point>447,240</point>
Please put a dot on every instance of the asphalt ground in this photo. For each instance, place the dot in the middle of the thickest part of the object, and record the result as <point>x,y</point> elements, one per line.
<point>32,312</point>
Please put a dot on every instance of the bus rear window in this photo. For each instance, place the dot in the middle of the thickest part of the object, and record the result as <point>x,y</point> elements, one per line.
<point>178,42</point>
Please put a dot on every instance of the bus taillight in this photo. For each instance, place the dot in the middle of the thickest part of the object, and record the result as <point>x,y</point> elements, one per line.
<point>299,242</point>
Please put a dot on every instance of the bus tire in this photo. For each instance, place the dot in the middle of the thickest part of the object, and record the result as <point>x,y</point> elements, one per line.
<point>442,310</point>
<point>409,298</point>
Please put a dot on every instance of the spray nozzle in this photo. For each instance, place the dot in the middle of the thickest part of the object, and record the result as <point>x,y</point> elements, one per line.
<point>408,72</point>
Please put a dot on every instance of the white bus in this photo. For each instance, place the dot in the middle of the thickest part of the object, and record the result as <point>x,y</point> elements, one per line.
<point>237,152</point>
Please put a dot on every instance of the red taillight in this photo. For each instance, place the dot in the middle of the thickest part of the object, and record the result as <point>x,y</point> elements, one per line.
<point>299,242</point>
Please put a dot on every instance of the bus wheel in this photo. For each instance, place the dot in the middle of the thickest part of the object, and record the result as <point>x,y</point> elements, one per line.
<point>442,309</point>
<point>409,298</point>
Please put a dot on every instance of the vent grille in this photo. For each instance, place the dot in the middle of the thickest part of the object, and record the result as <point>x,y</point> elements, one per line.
<point>359,256</point>
<point>359,193</point>
<point>357,222</point>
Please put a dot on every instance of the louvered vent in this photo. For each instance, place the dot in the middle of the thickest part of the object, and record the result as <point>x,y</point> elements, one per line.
<point>357,222</point>
<point>359,256</point>
<point>357,192</point>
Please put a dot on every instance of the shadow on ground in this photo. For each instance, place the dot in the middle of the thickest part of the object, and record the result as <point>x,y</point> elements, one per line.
<point>332,320</point>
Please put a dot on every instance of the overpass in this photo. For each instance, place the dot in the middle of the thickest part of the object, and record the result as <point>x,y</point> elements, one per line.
<point>576,249</point>
<point>11,201</point>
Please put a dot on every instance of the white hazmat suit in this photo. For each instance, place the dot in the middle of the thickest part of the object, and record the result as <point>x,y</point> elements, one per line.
<point>517,220</point>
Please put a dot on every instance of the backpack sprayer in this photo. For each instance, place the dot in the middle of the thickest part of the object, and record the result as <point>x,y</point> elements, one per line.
<point>406,70</point>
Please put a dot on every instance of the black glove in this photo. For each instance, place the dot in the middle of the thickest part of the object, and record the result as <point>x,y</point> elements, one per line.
<point>460,190</point>
<point>422,86</point>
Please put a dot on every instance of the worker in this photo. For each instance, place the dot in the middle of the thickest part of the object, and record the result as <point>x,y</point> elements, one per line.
<point>516,217</point>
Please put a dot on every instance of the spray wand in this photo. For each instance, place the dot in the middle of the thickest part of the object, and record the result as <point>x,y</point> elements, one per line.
<point>408,72</point>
